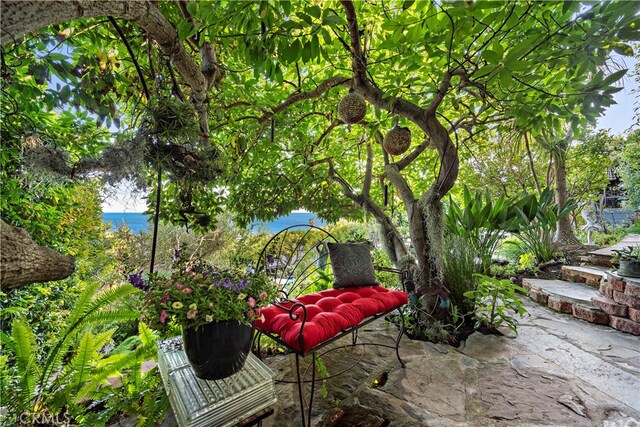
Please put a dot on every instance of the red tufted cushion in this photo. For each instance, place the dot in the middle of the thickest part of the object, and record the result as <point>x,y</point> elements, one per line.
<point>329,303</point>
<point>366,291</point>
<point>351,314</point>
<point>328,313</point>
<point>387,299</point>
<point>369,306</point>
<point>309,298</point>
<point>348,296</point>
<point>311,310</point>
<point>282,322</point>
<point>331,292</point>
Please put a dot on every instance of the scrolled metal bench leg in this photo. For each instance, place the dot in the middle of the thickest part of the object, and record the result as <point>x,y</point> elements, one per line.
<point>354,337</point>
<point>306,415</point>
<point>400,336</point>
<point>313,386</point>
<point>300,395</point>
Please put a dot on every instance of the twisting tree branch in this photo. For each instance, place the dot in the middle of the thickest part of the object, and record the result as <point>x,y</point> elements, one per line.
<point>143,81</point>
<point>366,187</point>
<point>301,96</point>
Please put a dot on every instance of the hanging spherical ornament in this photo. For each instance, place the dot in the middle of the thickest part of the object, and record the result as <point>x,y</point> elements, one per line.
<point>397,140</point>
<point>352,108</point>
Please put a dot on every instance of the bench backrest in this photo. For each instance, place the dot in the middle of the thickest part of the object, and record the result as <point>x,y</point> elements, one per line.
<point>297,258</point>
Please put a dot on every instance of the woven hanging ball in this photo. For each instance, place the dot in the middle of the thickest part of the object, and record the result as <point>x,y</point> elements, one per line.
<point>352,108</point>
<point>397,140</point>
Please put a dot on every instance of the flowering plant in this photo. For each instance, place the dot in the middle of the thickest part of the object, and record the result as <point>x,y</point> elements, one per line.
<point>197,293</point>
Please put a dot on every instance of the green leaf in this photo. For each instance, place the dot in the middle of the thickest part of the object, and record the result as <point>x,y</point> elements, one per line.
<point>491,56</point>
<point>333,20</point>
<point>184,28</point>
<point>314,11</point>
<point>286,7</point>
<point>614,77</point>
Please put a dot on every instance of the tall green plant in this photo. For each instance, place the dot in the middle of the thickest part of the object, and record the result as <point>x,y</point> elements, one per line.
<point>537,222</point>
<point>483,222</point>
<point>60,378</point>
<point>496,303</point>
<point>460,265</point>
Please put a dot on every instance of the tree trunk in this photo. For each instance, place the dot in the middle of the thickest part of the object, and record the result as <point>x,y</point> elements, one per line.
<point>23,261</point>
<point>564,233</point>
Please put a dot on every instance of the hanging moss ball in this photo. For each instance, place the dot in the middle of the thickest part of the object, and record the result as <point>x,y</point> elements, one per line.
<point>352,108</point>
<point>397,140</point>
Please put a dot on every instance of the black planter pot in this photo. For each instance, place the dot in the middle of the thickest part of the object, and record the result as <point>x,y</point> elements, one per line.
<point>218,349</point>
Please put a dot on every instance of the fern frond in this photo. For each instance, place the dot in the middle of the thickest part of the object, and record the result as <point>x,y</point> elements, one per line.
<point>24,347</point>
<point>106,368</point>
<point>146,334</point>
<point>155,406</point>
<point>81,363</point>
<point>102,338</point>
<point>6,341</point>
<point>111,295</point>
<point>81,306</point>
<point>104,316</point>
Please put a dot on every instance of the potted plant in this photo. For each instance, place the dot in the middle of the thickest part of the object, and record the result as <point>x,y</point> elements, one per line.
<point>629,261</point>
<point>215,308</point>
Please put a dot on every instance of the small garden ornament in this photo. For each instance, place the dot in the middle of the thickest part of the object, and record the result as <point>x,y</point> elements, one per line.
<point>397,140</point>
<point>352,108</point>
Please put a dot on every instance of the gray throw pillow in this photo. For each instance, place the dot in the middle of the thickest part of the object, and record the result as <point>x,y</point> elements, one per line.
<point>352,265</point>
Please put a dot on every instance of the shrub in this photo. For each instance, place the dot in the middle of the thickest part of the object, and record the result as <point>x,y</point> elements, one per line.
<point>538,221</point>
<point>461,262</point>
<point>482,222</point>
<point>493,300</point>
<point>72,370</point>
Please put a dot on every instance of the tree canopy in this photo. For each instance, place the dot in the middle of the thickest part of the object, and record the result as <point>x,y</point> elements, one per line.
<point>263,80</point>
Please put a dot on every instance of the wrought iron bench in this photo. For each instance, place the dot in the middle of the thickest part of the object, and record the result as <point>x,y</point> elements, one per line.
<point>306,319</point>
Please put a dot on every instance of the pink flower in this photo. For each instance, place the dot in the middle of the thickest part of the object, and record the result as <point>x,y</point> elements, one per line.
<point>191,314</point>
<point>179,286</point>
<point>263,295</point>
<point>163,316</point>
<point>252,302</point>
<point>251,314</point>
<point>164,299</point>
<point>187,291</point>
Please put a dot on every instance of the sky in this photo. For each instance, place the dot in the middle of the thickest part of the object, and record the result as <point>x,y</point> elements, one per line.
<point>618,118</point>
<point>621,116</point>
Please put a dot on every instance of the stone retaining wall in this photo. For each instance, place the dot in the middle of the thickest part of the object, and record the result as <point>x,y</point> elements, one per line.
<point>621,301</point>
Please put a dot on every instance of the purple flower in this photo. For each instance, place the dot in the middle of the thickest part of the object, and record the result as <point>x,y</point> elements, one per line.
<point>227,283</point>
<point>137,281</point>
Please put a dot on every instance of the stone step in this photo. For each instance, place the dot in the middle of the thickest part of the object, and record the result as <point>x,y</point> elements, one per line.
<point>586,303</point>
<point>561,288</point>
<point>603,256</point>
<point>590,275</point>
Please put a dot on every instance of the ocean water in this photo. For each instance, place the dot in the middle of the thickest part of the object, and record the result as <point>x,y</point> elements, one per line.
<point>138,222</point>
